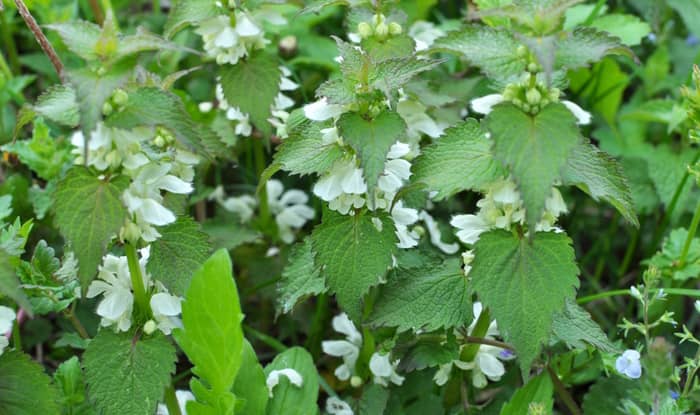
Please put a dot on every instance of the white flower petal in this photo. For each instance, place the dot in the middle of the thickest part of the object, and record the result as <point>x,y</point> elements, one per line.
<point>583,117</point>
<point>485,104</point>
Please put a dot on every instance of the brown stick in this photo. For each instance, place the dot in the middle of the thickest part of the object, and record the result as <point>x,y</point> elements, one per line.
<point>97,11</point>
<point>41,38</point>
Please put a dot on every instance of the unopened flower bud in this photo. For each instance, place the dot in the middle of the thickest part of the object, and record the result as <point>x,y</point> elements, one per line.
<point>364,30</point>
<point>533,67</point>
<point>120,97</point>
<point>149,327</point>
<point>635,293</point>
<point>554,94</point>
<point>395,28</point>
<point>521,51</point>
<point>159,141</point>
<point>130,232</point>
<point>355,381</point>
<point>288,46</point>
<point>533,96</point>
<point>378,19</point>
<point>107,108</point>
<point>381,30</point>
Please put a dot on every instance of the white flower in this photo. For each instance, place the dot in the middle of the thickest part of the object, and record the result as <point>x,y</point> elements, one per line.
<point>182,397</point>
<point>321,110</point>
<point>436,235</point>
<point>467,258</point>
<point>336,406</point>
<point>273,379</point>
<point>110,147</point>
<point>404,217</point>
<point>628,364</point>
<point>166,308</point>
<point>470,227</point>
<point>424,34</point>
<point>417,120</point>
<point>384,370</point>
<point>583,117</point>
<point>228,44</point>
<point>289,208</point>
<point>348,349</point>
<point>697,306</point>
<point>7,318</point>
<point>243,126</point>
<point>344,177</point>
<point>485,104</point>
<point>243,206</point>
<point>396,170</point>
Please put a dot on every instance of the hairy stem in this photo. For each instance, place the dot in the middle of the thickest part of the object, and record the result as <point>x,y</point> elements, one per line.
<point>77,325</point>
<point>489,342</point>
<point>140,295</point>
<point>670,291</point>
<point>480,329</point>
<point>41,38</point>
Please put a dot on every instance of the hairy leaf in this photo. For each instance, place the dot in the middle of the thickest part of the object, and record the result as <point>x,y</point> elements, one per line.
<point>187,12</point>
<point>534,397</point>
<point>24,387</point>
<point>301,278</point>
<point>574,326</point>
<point>586,45</point>
<point>392,74</point>
<point>80,37</point>
<point>59,103</point>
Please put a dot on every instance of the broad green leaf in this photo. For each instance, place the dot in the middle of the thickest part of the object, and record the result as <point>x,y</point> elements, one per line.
<point>607,394</point>
<point>126,372</point>
<point>211,306</point>
<point>157,107</point>
<point>89,213</point>
<point>24,387</point>
<point>338,91</point>
<point>390,48</point>
<point>586,45</point>
<point>142,41</point>
<point>459,160</point>
<point>80,37</point>
<point>373,401</point>
<point>252,86</point>
<point>41,153</point>
<point>533,398</point>
<point>59,103</point>
<point>250,386</point>
<point>356,254</point>
<point>303,152</point>
<point>301,278</point>
<point>289,399</point>
<point>392,74</point>
<point>599,175</point>
<point>426,298</point>
<point>71,384</point>
<point>5,206</point>
<point>574,326</point>
<point>180,251</point>
<point>495,51</point>
<point>9,284</point>
<point>371,139</point>
<point>667,170</point>
<point>667,260</point>
<point>535,148</point>
<point>524,282</point>
<point>187,12</point>
<point>227,232</point>
<point>429,351</point>
<point>630,29</point>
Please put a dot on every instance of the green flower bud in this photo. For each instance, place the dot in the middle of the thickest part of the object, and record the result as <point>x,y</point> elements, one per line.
<point>159,141</point>
<point>149,327</point>
<point>521,51</point>
<point>101,71</point>
<point>382,30</point>
<point>378,19</point>
<point>130,232</point>
<point>533,67</point>
<point>533,96</point>
<point>364,30</point>
<point>107,108</point>
<point>355,381</point>
<point>120,97</point>
<point>554,94</point>
<point>526,107</point>
<point>517,102</point>
<point>395,28</point>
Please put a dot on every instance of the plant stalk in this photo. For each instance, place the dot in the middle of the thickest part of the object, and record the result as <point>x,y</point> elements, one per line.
<point>140,296</point>
<point>41,38</point>
<point>691,234</point>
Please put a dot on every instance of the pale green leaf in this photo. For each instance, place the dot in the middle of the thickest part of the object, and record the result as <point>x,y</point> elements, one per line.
<point>250,387</point>
<point>535,148</point>
<point>426,298</point>
<point>392,74</point>
<point>59,103</point>
<point>289,399</point>
<point>5,206</point>
<point>126,373</point>
<point>80,37</point>
<point>337,91</point>
<point>187,12</point>
<point>390,48</point>
<point>533,398</point>
<point>374,399</point>
<point>252,86</point>
<point>355,253</point>
<point>586,45</point>
<point>599,175</point>
<point>459,160</point>
<point>24,387</point>
<point>70,381</point>
<point>630,29</point>
<point>667,260</point>
<point>607,394</point>
<point>143,41</point>
<point>89,213</point>
<point>178,253</point>
<point>301,278</point>
<point>371,139</point>
<point>211,307</point>
<point>574,326</point>
<point>524,282</point>
<point>41,153</point>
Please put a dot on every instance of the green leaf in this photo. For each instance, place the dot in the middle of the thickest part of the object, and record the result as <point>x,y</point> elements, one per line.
<point>373,401</point>
<point>41,153</point>
<point>429,351</point>
<point>586,45</point>
<point>89,213</point>
<point>180,251</point>
<point>24,387</point>
<point>127,373</point>
<point>156,107</point>
<point>143,41</point>
<point>211,306</point>
<point>337,91</point>
<point>599,175</point>
<point>187,12</point>
<point>303,152</point>
<point>9,284</point>
<point>355,252</point>
<point>459,160</point>
<point>668,259</point>
<point>252,86</point>
<point>69,379</point>
<point>301,278</point>
<point>389,48</point>
<point>371,139</point>
<point>495,51</point>
<point>426,298</point>
<point>524,282</point>
<point>607,394</point>
<point>289,399</point>
<point>250,386</point>
<point>392,74</point>
<point>5,206</point>
<point>59,103</point>
<point>533,398</point>
<point>534,148</point>
<point>80,37</point>
<point>630,29</point>
<point>574,326</point>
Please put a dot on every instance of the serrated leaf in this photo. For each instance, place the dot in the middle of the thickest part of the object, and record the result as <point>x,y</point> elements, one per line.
<point>127,374</point>
<point>535,148</point>
<point>250,386</point>
<point>187,12</point>
<point>180,251</point>
<point>70,381</point>
<point>89,212</point>
<point>371,139</point>
<point>429,351</point>
<point>389,48</point>
<point>5,206</point>
<point>303,152</point>
<point>157,107</point>
<point>252,86</point>
<point>524,282</point>
<point>9,283</point>
<point>374,400</point>
<point>459,160</point>
<point>337,91</point>
<point>301,278</point>
<point>211,306</point>
<point>607,394</point>
<point>495,51</point>
<point>355,253</point>
<point>59,103</point>
<point>392,74</point>
<point>24,387</point>
<point>289,399</point>
<point>668,259</point>
<point>80,37</point>
<point>586,45</point>
<point>629,28</point>
<point>599,175</point>
<point>533,398</point>
<point>41,153</point>
<point>143,41</point>
<point>426,298</point>
<point>574,326</point>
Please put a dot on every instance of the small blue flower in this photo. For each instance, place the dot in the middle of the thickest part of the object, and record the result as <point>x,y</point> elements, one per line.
<point>506,354</point>
<point>674,395</point>
<point>628,364</point>
<point>692,40</point>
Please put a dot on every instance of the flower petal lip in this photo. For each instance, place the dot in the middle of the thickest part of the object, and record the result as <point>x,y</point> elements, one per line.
<point>485,104</point>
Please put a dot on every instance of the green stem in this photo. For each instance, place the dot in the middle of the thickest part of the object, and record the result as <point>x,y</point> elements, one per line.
<point>9,42</point>
<point>156,7</point>
<point>691,376</point>
<point>691,234</point>
<point>629,254</point>
<point>670,291</point>
<point>16,336</point>
<point>563,393</point>
<point>171,401</point>
<point>140,296</point>
<point>77,325</point>
<point>480,329</point>
<point>273,343</point>
<point>259,154</point>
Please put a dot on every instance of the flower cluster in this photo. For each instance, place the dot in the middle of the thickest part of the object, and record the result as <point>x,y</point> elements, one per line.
<point>378,27</point>
<point>116,307</point>
<point>380,364</point>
